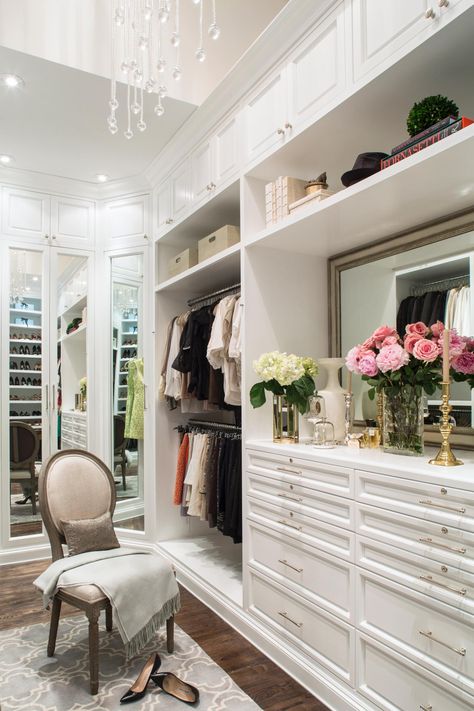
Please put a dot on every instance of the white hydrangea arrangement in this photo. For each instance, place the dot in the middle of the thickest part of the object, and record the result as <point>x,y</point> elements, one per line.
<point>284,374</point>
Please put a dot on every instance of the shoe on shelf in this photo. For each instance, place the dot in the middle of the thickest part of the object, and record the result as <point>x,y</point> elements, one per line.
<point>23,381</point>
<point>27,365</point>
<point>14,351</point>
<point>170,684</point>
<point>17,380</point>
<point>138,689</point>
<point>27,350</point>
<point>21,350</point>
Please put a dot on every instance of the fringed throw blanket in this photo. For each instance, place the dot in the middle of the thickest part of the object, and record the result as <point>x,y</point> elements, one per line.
<point>141,587</point>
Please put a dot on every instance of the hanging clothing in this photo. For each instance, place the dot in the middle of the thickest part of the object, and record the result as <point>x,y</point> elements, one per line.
<point>164,360</point>
<point>181,465</point>
<point>134,415</point>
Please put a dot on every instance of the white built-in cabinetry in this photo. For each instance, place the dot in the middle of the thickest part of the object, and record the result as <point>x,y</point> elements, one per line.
<point>126,221</point>
<point>356,558</point>
<point>58,220</point>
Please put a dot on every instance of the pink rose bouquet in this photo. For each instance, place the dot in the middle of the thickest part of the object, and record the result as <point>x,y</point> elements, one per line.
<point>462,364</point>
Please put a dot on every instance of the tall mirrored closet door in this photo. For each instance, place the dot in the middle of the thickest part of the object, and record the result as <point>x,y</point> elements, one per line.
<point>45,337</point>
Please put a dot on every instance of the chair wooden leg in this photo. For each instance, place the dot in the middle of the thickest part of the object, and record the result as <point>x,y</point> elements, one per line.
<point>53,627</point>
<point>108,618</point>
<point>170,634</point>
<point>124,480</point>
<point>33,499</point>
<point>93,617</point>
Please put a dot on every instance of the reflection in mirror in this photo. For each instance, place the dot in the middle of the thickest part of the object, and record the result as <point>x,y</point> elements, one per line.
<point>128,390</point>
<point>423,284</point>
<point>26,354</point>
<point>69,398</point>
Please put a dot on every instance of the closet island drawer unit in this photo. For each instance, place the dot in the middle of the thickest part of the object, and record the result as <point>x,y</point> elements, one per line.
<point>330,478</point>
<point>297,527</point>
<point>437,636</point>
<point>73,430</point>
<point>319,577</point>
<point>393,683</point>
<point>447,545</point>
<point>318,634</point>
<point>438,580</point>
<point>303,499</point>
<point>443,504</point>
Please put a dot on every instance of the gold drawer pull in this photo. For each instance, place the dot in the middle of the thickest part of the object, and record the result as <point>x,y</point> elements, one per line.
<point>297,528</point>
<point>459,650</point>
<point>285,615</point>
<point>442,545</point>
<point>290,471</point>
<point>288,565</point>
<point>426,708</point>
<point>440,506</point>
<point>291,498</point>
<point>429,579</point>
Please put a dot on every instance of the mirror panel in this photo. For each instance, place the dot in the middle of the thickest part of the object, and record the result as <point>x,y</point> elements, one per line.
<point>27,362</point>
<point>409,284</point>
<point>127,371</point>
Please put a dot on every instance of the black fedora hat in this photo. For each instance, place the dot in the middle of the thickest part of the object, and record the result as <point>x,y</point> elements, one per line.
<point>365,164</point>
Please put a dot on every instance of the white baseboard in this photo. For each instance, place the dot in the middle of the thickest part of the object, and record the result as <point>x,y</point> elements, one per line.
<point>25,554</point>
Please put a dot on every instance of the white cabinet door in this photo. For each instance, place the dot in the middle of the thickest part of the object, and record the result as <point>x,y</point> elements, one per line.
<point>317,69</point>
<point>72,222</point>
<point>381,28</point>
<point>226,152</point>
<point>180,192</point>
<point>127,221</point>
<point>202,169</point>
<point>163,205</point>
<point>265,117</point>
<point>26,214</point>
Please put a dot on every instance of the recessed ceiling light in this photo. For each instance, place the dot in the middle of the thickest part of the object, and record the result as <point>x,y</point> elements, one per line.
<point>11,80</point>
<point>5,159</point>
<point>102,177</point>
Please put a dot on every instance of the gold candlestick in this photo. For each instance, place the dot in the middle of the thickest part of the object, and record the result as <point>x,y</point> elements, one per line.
<point>445,456</point>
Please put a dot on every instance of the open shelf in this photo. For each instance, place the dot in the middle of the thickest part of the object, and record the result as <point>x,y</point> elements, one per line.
<point>78,334</point>
<point>25,417</point>
<point>432,184</point>
<point>221,209</point>
<point>214,273</point>
<point>77,306</point>
<point>213,558</point>
<point>29,387</point>
<point>36,372</point>
<point>26,312</point>
<point>34,341</point>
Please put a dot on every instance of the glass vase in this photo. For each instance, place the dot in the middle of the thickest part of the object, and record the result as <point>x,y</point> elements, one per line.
<point>285,421</point>
<point>403,422</point>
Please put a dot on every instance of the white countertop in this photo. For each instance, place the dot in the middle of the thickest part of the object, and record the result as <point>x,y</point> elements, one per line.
<point>376,460</point>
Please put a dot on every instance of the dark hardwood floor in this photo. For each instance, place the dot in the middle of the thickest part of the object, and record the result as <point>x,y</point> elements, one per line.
<point>263,681</point>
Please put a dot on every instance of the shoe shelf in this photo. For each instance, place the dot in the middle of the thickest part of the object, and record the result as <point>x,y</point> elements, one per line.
<point>27,387</point>
<point>26,340</point>
<point>24,402</point>
<point>36,372</point>
<point>26,312</point>
<point>25,356</point>
<point>20,325</point>
<point>25,417</point>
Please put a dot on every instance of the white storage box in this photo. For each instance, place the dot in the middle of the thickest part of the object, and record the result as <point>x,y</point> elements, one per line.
<point>217,241</point>
<point>184,260</point>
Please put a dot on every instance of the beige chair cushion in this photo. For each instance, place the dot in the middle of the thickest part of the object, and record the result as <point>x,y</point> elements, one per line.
<point>86,593</point>
<point>77,488</point>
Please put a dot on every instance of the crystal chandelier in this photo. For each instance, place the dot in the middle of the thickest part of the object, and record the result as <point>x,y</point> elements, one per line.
<point>141,31</point>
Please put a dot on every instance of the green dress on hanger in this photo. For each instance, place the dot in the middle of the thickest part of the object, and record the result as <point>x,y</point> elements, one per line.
<point>134,416</point>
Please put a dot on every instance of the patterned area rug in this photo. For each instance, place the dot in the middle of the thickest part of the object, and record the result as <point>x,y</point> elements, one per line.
<point>31,681</point>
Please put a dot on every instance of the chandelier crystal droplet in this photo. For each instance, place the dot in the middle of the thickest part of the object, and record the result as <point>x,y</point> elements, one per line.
<point>146,43</point>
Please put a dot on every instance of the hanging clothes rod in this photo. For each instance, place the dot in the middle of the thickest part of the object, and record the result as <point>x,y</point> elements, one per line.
<point>441,285</point>
<point>213,296</point>
<point>214,425</point>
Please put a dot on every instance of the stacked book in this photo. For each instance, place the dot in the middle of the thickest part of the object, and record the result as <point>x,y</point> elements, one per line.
<point>426,138</point>
<point>279,195</point>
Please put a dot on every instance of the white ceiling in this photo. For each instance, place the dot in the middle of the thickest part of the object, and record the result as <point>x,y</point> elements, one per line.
<point>56,123</point>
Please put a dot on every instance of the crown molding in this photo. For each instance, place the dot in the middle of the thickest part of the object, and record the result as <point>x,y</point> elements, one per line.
<point>294,21</point>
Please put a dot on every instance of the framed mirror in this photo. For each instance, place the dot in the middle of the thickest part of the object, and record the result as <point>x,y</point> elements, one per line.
<point>423,275</point>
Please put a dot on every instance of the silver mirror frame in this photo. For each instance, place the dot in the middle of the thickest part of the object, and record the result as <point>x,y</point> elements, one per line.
<point>426,234</point>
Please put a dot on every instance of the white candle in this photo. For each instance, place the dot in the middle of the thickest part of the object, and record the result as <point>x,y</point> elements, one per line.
<point>446,355</point>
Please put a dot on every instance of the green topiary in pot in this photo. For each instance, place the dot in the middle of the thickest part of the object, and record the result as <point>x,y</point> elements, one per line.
<point>429,111</point>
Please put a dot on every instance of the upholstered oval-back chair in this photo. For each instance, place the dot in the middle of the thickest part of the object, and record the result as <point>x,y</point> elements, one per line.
<point>75,484</point>
<point>24,447</point>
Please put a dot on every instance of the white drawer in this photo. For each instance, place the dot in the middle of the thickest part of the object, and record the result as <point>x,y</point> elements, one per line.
<point>443,582</point>
<point>445,544</point>
<point>321,578</point>
<point>298,527</point>
<point>325,477</point>
<point>297,498</point>
<point>316,632</point>
<point>452,507</point>
<point>393,683</point>
<point>436,636</point>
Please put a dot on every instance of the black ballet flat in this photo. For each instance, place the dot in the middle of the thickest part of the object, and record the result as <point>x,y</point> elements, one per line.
<point>170,684</point>
<point>138,690</point>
